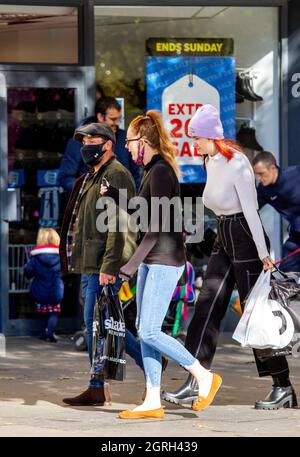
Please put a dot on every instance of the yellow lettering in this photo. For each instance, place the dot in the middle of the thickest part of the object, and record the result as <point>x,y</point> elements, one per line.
<point>168,47</point>
<point>200,47</point>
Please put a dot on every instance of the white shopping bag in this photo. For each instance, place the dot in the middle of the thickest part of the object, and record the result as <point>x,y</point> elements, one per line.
<point>241,329</point>
<point>270,326</point>
<point>266,323</point>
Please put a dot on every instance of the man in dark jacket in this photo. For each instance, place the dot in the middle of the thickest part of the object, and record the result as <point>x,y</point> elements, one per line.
<point>107,110</point>
<point>86,247</point>
<point>280,188</point>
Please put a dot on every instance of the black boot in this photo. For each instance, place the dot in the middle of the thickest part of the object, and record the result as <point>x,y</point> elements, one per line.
<point>282,395</point>
<point>91,396</point>
<point>185,394</point>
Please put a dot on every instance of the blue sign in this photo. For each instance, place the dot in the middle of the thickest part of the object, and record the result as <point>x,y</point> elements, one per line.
<point>47,178</point>
<point>178,86</point>
<point>16,178</point>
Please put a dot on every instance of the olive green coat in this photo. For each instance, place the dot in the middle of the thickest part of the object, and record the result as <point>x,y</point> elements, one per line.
<point>94,251</point>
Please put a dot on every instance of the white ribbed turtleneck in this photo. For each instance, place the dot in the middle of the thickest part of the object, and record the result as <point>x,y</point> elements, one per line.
<point>230,189</point>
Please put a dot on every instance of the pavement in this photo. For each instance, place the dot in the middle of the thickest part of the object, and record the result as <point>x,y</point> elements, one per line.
<point>35,376</point>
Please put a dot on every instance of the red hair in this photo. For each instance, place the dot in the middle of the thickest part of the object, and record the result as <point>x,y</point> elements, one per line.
<point>225,147</point>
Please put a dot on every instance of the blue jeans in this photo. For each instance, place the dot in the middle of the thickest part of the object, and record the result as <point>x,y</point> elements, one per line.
<point>155,287</point>
<point>133,349</point>
<point>90,289</point>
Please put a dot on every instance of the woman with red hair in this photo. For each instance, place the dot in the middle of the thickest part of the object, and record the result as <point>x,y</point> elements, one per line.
<point>239,254</point>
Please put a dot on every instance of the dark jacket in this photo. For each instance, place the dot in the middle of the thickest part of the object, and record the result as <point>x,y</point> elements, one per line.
<point>284,196</point>
<point>94,251</point>
<point>162,242</point>
<point>72,165</point>
<point>43,266</point>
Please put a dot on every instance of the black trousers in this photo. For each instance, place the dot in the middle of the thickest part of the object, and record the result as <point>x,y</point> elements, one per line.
<point>234,260</point>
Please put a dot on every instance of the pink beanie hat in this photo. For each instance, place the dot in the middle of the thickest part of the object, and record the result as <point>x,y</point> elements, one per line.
<point>206,123</point>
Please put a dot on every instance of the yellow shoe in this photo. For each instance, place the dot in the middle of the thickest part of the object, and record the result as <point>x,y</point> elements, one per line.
<point>203,402</point>
<point>152,413</point>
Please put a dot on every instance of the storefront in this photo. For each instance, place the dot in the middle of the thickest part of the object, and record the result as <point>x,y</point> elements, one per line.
<point>148,56</point>
<point>46,87</point>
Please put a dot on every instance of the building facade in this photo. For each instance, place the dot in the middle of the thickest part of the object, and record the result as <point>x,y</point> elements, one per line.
<point>53,57</point>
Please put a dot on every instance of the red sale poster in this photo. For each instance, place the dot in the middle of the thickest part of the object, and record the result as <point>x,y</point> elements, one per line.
<point>179,104</point>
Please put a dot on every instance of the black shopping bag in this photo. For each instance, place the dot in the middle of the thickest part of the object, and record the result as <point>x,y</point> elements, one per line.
<point>285,289</point>
<point>109,337</point>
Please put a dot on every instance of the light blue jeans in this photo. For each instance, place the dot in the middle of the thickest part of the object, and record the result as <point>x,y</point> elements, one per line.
<point>155,287</point>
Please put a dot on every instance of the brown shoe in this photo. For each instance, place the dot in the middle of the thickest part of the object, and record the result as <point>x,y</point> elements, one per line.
<point>91,396</point>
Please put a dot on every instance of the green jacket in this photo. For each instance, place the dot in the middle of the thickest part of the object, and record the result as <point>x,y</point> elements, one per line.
<point>94,251</point>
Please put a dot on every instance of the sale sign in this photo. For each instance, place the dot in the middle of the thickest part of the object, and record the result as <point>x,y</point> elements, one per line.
<point>178,86</point>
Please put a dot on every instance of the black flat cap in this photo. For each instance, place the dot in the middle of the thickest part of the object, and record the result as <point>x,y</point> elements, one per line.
<point>95,129</point>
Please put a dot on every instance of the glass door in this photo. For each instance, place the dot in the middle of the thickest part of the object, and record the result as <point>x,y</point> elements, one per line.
<point>40,115</point>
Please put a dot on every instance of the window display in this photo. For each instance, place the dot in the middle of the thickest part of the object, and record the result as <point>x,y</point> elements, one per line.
<point>122,71</point>
<point>251,109</point>
<point>132,32</point>
<point>40,121</point>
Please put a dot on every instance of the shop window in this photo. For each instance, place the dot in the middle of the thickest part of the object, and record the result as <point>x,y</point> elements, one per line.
<point>121,34</point>
<point>40,122</point>
<point>243,81</point>
<point>38,34</point>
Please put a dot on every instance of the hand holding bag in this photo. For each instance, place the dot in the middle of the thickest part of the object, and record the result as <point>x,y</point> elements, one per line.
<point>257,290</point>
<point>109,337</point>
<point>269,325</point>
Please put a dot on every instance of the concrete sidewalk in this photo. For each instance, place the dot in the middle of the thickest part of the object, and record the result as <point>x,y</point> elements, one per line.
<point>35,376</point>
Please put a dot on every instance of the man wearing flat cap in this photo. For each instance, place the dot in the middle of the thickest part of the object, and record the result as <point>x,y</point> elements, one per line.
<point>95,254</point>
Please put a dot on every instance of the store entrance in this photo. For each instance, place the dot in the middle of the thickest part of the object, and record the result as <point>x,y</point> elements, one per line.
<point>38,113</point>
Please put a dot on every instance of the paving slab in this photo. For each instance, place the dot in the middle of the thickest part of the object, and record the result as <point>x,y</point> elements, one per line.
<point>35,376</point>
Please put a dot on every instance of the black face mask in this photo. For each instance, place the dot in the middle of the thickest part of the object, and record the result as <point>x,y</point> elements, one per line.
<point>91,153</point>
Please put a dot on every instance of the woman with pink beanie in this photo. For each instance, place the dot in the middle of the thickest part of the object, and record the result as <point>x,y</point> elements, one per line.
<point>240,252</point>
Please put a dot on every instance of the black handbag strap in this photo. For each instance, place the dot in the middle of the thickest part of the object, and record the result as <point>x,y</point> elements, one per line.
<point>114,300</point>
<point>281,272</point>
<point>108,290</point>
